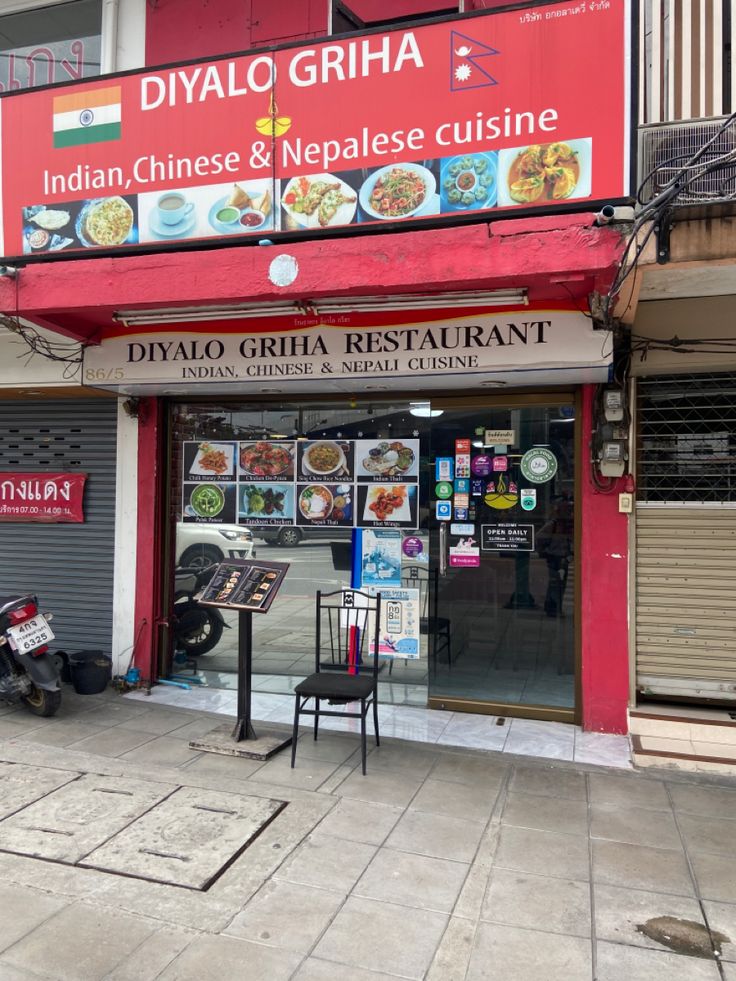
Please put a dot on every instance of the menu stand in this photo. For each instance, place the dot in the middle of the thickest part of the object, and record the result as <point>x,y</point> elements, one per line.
<point>242,740</point>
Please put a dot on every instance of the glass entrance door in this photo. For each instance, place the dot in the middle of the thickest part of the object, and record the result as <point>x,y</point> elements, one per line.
<point>502,548</point>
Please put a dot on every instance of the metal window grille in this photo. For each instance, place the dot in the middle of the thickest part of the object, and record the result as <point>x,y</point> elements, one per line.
<point>686,452</point>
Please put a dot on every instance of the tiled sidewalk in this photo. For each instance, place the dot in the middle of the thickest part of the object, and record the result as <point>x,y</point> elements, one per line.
<point>445,864</point>
<point>523,737</point>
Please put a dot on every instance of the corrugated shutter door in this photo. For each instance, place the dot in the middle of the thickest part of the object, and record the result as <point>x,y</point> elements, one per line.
<point>69,566</point>
<point>686,601</point>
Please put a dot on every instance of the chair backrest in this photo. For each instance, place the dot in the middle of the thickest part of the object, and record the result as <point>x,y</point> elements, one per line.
<point>417,577</point>
<point>348,626</point>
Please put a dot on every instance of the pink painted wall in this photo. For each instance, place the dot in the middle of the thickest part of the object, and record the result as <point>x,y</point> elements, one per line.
<point>180,30</point>
<point>604,615</point>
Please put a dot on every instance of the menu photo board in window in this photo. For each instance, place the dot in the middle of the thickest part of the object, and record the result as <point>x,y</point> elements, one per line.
<point>312,483</point>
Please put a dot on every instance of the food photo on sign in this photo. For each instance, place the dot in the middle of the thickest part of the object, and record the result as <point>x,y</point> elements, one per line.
<point>94,223</point>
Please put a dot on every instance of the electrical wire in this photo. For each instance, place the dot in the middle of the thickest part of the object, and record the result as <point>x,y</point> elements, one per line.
<point>656,210</point>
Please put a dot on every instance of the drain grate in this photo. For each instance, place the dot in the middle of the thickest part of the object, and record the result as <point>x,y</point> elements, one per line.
<point>188,840</point>
<point>179,836</point>
<point>70,822</point>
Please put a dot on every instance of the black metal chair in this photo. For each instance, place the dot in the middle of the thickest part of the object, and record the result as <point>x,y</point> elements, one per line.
<point>436,628</point>
<point>350,619</point>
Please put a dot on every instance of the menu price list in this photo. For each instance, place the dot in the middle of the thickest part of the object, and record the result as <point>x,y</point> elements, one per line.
<point>328,483</point>
<point>244,585</point>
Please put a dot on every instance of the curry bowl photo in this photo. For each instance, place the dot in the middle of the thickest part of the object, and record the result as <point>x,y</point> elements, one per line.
<point>544,173</point>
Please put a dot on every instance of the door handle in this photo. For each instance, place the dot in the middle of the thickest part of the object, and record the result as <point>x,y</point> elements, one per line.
<point>443,548</point>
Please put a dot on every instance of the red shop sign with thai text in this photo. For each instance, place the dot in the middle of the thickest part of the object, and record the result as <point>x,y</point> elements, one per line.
<point>509,112</point>
<point>46,497</point>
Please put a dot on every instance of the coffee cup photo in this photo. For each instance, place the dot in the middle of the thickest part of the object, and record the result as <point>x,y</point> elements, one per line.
<point>172,208</point>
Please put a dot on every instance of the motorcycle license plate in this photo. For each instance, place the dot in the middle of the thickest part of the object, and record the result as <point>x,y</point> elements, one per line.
<point>30,634</point>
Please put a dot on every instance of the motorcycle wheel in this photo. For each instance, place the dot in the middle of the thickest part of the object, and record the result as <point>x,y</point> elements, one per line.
<point>42,702</point>
<point>197,630</point>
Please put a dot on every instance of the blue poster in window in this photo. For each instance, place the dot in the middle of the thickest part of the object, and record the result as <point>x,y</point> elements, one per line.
<point>381,557</point>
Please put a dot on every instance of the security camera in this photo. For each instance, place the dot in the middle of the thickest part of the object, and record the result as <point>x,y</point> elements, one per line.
<point>609,214</point>
<point>606,215</point>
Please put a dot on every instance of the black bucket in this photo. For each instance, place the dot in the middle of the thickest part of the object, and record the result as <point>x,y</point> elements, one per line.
<point>91,671</point>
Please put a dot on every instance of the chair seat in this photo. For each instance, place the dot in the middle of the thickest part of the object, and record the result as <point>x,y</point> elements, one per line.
<point>439,624</point>
<point>325,684</point>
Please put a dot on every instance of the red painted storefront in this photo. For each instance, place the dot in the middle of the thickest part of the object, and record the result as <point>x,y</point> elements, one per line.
<point>557,258</point>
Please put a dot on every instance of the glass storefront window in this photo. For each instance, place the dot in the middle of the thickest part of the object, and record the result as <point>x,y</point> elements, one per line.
<point>468,505</point>
<point>290,483</point>
<point>45,45</point>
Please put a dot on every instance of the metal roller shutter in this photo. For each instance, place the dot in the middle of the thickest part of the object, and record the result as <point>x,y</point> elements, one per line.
<point>69,566</point>
<point>686,535</point>
<point>686,601</point>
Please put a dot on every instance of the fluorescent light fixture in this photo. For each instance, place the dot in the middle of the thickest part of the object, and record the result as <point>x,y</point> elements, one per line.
<point>424,410</point>
<point>317,308</point>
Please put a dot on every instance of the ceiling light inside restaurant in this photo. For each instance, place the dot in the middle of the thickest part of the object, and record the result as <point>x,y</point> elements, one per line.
<point>424,410</point>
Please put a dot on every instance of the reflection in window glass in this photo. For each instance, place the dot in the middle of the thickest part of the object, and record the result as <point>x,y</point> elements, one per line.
<point>278,470</point>
<point>50,44</point>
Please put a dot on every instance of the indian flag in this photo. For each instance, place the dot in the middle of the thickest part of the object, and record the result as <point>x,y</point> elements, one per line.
<point>87,117</point>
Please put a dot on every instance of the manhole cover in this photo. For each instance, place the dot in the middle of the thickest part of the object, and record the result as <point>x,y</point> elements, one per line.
<point>21,785</point>
<point>72,821</point>
<point>187,840</point>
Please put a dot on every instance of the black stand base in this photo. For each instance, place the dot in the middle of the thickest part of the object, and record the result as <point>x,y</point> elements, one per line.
<point>256,747</point>
<point>243,740</point>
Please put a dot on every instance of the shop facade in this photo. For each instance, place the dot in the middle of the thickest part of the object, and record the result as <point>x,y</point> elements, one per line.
<point>461,346</point>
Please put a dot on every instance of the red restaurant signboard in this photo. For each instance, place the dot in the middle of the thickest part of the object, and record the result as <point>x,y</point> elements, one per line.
<point>47,497</point>
<point>512,111</point>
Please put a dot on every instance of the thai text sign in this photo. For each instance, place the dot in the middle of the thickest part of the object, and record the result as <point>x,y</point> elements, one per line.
<point>347,346</point>
<point>46,497</point>
<point>516,110</point>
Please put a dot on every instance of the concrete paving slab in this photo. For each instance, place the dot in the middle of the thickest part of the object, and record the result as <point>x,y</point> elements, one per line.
<point>634,791</point>
<point>382,937</point>
<point>516,953</point>
<point>538,902</point>
<point>288,915</point>
<point>543,853</point>
<point>315,969</point>
<point>717,802</point>
<point>21,785</point>
<point>437,836</point>
<point>715,877</point>
<point>619,913</point>
<point>328,862</point>
<point>546,813</point>
<point>229,958</point>
<point>70,822</point>
<point>453,954</point>
<point>635,825</point>
<point>23,910</point>
<point>639,867</point>
<point>466,801</point>
<point>722,918</point>
<point>146,962</point>
<point>708,834</point>
<point>360,821</point>
<point>187,839</point>
<point>412,880</point>
<point>619,963</point>
<point>549,781</point>
<point>80,942</point>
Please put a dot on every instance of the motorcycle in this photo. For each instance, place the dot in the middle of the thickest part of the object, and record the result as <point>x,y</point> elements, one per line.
<point>28,672</point>
<point>197,629</point>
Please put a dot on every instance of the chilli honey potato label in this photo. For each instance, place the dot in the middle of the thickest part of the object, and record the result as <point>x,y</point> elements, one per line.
<point>246,144</point>
<point>311,483</point>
